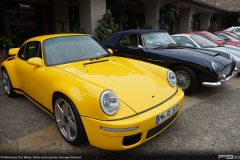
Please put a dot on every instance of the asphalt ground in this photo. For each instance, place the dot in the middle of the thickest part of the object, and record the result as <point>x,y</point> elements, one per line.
<point>204,130</point>
<point>20,117</point>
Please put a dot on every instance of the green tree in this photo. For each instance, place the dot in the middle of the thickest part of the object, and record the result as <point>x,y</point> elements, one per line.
<point>168,14</point>
<point>196,22</point>
<point>75,30</point>
<point>107,27</point>
<point>5,44</point>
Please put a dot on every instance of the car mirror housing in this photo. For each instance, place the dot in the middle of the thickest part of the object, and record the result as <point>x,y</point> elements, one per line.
<point>140,47</point>
<point>110,50</point>
<point>13,51</point>
<point>188,45</point>
<point>36,61</point>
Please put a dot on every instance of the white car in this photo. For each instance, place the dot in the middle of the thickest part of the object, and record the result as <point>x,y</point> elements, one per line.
<point>193,40</point>
<point>233,29</point>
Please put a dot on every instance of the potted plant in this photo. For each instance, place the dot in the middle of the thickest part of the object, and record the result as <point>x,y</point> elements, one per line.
<point>5,44</point>
<point>107,27</point>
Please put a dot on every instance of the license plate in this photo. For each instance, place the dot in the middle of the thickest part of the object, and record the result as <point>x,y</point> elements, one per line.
<point>165,115</point>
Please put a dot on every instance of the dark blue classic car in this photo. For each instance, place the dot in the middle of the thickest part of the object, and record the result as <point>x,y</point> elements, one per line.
<point>192,66</point>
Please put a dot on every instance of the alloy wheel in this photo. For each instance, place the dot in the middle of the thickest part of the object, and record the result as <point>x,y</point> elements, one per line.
<point>6,82</point>
<point>65,119</point>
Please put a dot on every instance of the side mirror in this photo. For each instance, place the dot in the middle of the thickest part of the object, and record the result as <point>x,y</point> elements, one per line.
<point>36,61</point>
<point>188,45</point>
<point>140,47</point>
<point>13,51</point>
<point>110,50</point>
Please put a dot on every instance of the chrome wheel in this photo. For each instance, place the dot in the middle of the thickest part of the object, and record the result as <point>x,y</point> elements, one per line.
<point>65,119</point>
<point>6,82</point>
<point>183,79</point>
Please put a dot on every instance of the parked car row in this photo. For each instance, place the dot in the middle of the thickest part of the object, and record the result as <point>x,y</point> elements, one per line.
<point>192,66</point>
<point>117,94</point>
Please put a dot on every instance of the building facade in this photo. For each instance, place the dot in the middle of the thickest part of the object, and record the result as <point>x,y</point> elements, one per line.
<point>22,19</point>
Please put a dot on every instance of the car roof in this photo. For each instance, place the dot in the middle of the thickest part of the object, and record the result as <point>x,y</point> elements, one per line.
<point>115,37</point>
<point>43,37</point>
<point>185,35</point>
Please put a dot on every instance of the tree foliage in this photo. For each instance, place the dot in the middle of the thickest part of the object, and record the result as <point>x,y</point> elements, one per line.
<point>196,19</point>
<point>107,27</point>
<point>5,44</point>
<point>168,15</point>
<point>76,30</point>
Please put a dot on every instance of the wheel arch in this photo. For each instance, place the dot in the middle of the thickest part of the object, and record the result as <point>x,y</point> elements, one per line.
<point>9,66</point>
<point>198,70</point>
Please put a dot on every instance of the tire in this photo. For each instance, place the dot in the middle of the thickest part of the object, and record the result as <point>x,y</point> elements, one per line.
<point>7,85</point>
<point>186,79</point>
<point>68,120</point>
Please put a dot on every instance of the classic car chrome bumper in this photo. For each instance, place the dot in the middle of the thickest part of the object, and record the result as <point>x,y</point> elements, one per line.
<point>222,81</point>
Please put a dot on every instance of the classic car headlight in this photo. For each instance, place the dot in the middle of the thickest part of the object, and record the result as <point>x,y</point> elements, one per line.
<point>238,45</point>
<point>172,80</point>
<point>109,102</point>
<point>215,67</point>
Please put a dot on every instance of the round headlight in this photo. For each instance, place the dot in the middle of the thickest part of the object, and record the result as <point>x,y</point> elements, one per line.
<point>215,67</point>
<point>238,45</point>
<point>109,102</point>
<point>172,80</point>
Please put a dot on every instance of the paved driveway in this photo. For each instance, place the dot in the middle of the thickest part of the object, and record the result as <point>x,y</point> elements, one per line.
<point>208,124</point>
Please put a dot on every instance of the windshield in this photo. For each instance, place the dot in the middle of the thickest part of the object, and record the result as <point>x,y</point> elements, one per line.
<point>67,49</point>
<point>237,30</point>
<point>203,42</point>
<point>213,37</point>
<point>152,40</point>
<point>229,37</point>
<point>233,35</point>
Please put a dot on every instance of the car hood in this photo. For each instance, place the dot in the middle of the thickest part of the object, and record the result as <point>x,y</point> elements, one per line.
<point>135,86</point>
<point>227,50</point>
<point>201,53</point>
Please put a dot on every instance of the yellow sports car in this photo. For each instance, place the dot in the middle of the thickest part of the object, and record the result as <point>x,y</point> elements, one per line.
<point>115,103</point>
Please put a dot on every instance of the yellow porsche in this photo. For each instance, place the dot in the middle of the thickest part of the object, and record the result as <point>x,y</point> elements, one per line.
<point>114,103</point>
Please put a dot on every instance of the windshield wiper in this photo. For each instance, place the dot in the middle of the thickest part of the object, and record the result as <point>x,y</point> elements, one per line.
<point>165,45</point>
<point>101,56</point>
<point>208,47</point>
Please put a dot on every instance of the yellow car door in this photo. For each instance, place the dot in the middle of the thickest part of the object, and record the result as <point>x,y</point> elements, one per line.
<point>32,76</point>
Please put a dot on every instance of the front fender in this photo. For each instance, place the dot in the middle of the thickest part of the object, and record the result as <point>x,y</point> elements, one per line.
<point>10,66</point>
<point>85,97</point>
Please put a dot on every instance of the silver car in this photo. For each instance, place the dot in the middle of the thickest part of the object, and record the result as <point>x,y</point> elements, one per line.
<point>193,40</point>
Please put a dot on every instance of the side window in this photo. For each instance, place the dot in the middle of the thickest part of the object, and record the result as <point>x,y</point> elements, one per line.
<point>183,41</point>
<point>237,30</point>
<point>21,53</point>
<point>128,40</point>
<point>203,36</point>
<point>221,36</point>
<point>30,50</point>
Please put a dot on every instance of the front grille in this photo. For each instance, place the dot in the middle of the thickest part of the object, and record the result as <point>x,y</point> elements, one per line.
<point>227,70</point>
<point>160,127</point>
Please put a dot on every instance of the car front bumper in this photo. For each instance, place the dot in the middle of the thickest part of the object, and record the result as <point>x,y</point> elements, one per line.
<point>223,80</point>
<point>130,132</point>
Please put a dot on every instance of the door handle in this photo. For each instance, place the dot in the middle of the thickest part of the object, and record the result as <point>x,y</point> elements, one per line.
<point>155,60</point>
